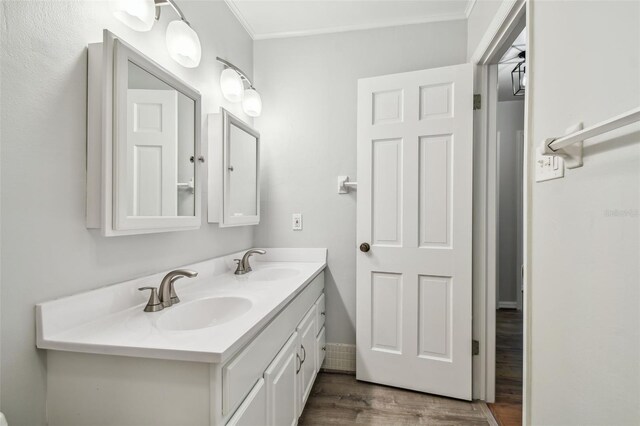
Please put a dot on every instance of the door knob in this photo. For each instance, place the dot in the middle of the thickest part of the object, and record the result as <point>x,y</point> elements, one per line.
<point>365,247</point>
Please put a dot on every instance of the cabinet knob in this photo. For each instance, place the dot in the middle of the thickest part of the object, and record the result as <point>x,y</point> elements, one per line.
<point>365,247</point>
<point>201,159</point>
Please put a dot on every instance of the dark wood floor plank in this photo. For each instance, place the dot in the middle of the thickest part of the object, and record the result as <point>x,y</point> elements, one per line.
<point>507,408</point>
<point>339,399</point>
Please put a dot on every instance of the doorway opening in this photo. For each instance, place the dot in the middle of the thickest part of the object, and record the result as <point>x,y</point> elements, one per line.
<point>507,87</point>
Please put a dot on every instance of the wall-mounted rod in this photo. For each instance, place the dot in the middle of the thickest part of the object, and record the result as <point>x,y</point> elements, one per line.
<point>618,121</point>
<point>236,69</point>
<point>172,3</point>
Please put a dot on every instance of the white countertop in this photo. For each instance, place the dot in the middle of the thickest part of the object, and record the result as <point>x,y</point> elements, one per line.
<point>111,320</point>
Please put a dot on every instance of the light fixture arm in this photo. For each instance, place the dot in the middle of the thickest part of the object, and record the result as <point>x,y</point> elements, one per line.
<point>172,3</point>
<point>236,69</point>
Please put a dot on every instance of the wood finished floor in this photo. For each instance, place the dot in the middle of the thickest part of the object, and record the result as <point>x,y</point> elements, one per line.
<point>507,408</point>
<point>340,399</point>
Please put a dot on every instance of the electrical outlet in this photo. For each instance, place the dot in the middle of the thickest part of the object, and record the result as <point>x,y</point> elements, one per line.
<point>297,222</point>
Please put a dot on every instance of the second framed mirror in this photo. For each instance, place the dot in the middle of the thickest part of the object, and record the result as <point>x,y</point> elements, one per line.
<point>234,171</point>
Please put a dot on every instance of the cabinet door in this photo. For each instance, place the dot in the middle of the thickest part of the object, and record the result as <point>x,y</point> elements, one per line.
<point>281,378</point>
<point>253,410</point>
<point>307,332</point>
<point>321,349</point>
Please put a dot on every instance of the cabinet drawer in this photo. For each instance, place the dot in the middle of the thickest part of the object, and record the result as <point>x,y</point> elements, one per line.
<point>321,313</point>
<point>253,410</point>
<point>321,348</point>
<point>241,373</point>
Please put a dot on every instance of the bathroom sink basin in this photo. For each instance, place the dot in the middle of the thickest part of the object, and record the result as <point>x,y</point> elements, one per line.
<point>203,313</point>
<point>273,274</point>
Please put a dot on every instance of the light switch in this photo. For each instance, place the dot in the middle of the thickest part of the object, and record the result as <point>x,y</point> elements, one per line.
<point>548,166</point>
<point>297,222</point>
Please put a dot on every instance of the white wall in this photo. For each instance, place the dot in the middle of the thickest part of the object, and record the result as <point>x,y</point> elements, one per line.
<point>510,119</point>
<point>585,288</point>
<point>481,16</point>
<point>308,126</point>
<point>46,250</point>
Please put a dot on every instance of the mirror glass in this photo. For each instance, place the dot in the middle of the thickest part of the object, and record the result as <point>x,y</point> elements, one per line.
<point>160,148</point>
<point>243,159</point>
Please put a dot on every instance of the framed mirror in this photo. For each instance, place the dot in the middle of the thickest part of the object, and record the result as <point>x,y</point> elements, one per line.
<point>234,184</point>
<point>150,140</point>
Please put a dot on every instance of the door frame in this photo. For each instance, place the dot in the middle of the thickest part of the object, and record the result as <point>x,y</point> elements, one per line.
<point>505,22</point>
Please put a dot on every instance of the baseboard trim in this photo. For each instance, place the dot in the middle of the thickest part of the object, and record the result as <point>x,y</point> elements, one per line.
<point>507,305</point>
<point>340,358</point>
<point>487,413</point>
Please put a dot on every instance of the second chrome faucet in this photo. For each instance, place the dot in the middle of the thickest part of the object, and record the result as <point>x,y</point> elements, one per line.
<point>167,296</point>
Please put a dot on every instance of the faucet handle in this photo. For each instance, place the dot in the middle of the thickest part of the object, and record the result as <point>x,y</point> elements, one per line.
<point>154,304</point>
<point>238,266</point>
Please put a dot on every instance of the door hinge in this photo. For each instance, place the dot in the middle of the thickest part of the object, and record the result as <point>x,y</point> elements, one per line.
<point>477,102</point>
<point>475,347</point>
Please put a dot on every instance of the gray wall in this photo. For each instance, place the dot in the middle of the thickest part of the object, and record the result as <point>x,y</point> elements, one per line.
<point>510,119</point>
<point>308,129</point>
<point>46,250</point>
<point>481,16</point>
<point>585,288</point>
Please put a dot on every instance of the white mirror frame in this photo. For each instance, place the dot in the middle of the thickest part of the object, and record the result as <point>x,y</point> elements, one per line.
<point>219,131</point>
<point>107,76</point>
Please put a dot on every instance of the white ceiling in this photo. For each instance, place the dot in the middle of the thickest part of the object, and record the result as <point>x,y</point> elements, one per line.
<point>277,18</point>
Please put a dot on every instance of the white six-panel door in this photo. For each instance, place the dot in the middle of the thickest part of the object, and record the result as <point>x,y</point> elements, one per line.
<point>414,211</point>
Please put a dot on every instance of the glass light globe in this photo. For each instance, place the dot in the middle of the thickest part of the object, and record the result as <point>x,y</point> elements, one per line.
<point>524,80</point>
<point>183,44</point>
<point>251,103</point>
<point>231,85</point>
<point>136,14</point>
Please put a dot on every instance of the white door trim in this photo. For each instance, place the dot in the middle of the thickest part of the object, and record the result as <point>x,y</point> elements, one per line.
<point>507,19</point>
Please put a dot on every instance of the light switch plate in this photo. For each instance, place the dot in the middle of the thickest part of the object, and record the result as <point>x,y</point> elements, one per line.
<point>548,167</point>
<point>297,222</point>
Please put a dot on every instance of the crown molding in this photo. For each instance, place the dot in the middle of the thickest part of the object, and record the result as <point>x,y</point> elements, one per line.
<point>236,12</point>
<point>469,9</point>
<point>340,29</point>
<point>360,27</point>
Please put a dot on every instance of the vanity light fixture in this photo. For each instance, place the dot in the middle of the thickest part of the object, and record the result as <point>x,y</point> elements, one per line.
<point>231,85</point>
<point>136,14</point>
<point>252,103</point>
<point>232,81</point>
<point>182,41</point>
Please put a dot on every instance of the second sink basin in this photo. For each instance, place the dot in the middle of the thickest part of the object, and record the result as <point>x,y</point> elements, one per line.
<point>203,313</point>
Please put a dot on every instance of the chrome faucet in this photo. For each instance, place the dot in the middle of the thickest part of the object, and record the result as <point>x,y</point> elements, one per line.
<point>243,264</point>
<point>167,296</point>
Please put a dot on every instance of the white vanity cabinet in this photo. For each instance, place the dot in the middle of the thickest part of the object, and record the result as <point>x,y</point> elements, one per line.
<point>109,363</point>
<point>266,382</point>
<point>288,378</point>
